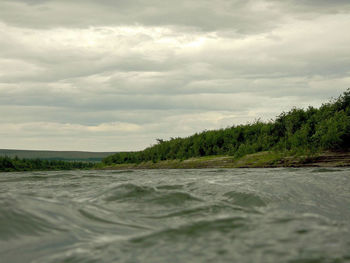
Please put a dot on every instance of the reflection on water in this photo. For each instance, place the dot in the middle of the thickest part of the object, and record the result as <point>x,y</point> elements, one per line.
<point>233,215</point>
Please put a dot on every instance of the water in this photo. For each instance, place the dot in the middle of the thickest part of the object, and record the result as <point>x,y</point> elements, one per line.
<point>233,215</point>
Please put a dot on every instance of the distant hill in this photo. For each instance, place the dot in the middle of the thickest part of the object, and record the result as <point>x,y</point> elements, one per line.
<point>56,155</point>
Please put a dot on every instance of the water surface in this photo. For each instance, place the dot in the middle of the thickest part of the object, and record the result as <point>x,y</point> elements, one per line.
<point>225,215</point>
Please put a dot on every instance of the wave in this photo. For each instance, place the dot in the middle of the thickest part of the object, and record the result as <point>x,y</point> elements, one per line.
<point>150,195</point>
<point>31,178</point>
<point>129,191</point>
<point>192,230</point>
<point>200,211</point>
<point>244,199</point>
<point>175,198</point>
<point>170,187</point>
<point>15,221</point>
<point>326,170</point>
<point>121,172</point>
<point>96,218</point>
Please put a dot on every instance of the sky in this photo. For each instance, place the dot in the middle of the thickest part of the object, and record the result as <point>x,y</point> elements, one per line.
<point>115,75</point>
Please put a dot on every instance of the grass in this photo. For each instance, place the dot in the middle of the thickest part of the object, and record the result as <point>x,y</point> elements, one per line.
<point>261,159</point>
<point>256,160</point>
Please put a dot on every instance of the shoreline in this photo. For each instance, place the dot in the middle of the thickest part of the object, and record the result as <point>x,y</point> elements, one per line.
<point>256,160</point>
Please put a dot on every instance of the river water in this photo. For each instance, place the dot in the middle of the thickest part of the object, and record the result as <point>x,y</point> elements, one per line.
<point>210,215</point>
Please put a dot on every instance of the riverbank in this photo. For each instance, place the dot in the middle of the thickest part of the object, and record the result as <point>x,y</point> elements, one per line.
<point>256,160</point>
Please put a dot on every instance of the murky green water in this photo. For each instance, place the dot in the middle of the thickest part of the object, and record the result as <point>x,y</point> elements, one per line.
<point>237,215</point>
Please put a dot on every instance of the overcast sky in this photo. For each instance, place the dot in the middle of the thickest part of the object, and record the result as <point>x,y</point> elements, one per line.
<point>112,75</point>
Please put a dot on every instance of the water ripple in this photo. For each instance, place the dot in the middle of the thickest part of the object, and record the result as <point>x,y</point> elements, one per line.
<point>224,215</point>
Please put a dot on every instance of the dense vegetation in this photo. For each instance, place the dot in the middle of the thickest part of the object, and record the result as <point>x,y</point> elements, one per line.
<point>8,164</point>
<point>299,130</point>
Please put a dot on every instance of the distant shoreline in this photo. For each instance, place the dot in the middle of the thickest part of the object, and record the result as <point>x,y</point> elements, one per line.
<point>56,155</point>
<point>256,160</point>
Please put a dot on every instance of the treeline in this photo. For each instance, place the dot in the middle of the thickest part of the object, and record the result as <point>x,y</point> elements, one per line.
<point>312,129</point>
<point>8,164</point>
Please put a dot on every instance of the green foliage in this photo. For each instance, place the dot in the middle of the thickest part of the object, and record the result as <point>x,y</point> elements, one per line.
<point>299,130</point>
<point>8,164</point>
<point>332,133</point>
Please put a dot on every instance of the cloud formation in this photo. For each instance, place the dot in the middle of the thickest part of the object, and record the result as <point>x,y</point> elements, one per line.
<point>115,75</point>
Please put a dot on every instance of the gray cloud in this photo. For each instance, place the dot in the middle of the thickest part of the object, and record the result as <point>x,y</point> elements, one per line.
<point>115,75</point>
<point>314,6</point>
<point>241,16</point>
